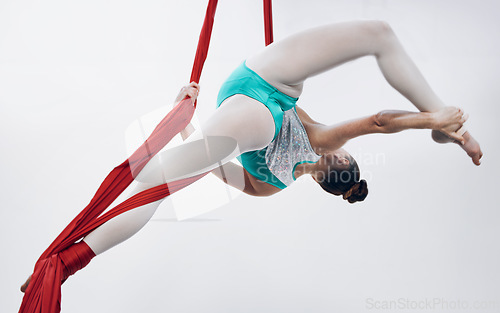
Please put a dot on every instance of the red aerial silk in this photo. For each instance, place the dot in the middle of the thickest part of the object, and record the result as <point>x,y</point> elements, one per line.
<point>268,21</point>
<point>57,262</point>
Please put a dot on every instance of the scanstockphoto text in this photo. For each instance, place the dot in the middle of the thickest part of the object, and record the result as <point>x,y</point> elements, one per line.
<point>431,303</point>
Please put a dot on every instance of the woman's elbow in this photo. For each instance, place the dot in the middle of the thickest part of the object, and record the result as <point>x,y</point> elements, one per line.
<point>381,122</point>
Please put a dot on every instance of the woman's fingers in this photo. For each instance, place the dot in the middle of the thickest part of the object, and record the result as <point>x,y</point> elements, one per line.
<point>459,117</point>
<point>190,91</point>
<point>194,85</point>
<point>457,136</point>
<point>461,131</point>
<point>452,123</point>
<point>193,89</point>
<point>465,117</point>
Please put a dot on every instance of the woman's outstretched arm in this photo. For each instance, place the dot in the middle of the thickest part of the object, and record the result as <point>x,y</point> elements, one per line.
<point>448,120</point>
<point>288,63</point>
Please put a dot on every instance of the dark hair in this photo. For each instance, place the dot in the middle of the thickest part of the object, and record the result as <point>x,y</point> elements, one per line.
<point>346,182</point>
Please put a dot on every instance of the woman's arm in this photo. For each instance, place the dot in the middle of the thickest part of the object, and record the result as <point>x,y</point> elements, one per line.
<point>448,120</point>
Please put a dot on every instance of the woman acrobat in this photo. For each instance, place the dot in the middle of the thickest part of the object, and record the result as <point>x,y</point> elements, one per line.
<point>257,109</point>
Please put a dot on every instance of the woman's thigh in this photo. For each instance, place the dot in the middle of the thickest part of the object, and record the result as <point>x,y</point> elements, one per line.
<point>239,125</point>
<point>245,119</point>
<point>287,63</point>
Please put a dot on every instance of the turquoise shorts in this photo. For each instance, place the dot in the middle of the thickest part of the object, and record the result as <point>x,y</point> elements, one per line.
<point>246,82</point>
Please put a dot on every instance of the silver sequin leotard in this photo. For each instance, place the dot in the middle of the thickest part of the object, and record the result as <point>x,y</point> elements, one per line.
<point>290,148</point>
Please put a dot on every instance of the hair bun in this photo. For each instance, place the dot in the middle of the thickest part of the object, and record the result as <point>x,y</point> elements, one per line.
<point>357,192</point>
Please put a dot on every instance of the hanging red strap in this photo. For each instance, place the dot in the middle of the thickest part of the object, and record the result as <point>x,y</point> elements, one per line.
<point>204,41</point>
<point>268,21</point>
<point>43,294</point>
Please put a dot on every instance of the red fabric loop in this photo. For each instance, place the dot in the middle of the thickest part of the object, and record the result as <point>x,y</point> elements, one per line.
<point>75,258</point>
<point>50,273</point>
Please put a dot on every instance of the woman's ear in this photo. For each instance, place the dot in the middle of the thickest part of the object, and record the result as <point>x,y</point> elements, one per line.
<point>345,161</point>
<point>341,160</point>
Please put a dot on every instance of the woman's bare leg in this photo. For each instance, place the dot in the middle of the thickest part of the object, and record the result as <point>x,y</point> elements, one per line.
<point>245,120</point>
<point>287,63</point>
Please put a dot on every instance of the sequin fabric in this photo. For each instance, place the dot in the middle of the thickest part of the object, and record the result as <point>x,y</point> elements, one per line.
<point>290,147</point>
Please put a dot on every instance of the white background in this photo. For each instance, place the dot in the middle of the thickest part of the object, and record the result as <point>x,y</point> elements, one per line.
<point>75,74</point>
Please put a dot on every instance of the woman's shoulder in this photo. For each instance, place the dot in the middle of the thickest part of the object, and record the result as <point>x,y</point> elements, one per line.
<point>312,127</point>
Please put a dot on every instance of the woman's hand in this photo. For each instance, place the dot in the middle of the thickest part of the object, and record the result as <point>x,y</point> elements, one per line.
<point>190,90</point>
<point>449,121</point>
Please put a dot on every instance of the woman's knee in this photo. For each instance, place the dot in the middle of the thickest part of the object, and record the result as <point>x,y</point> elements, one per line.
<point>381,34</point>
<point>378,28</point>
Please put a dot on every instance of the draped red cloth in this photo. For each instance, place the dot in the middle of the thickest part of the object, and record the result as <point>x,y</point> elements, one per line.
<point>66,254</point>
<point>268,21</point>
